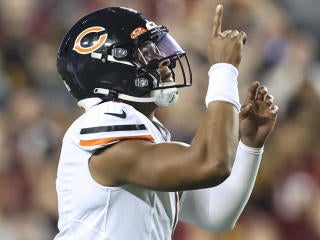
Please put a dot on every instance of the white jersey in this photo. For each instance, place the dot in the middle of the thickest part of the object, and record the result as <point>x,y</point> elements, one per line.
<point>88,210</point>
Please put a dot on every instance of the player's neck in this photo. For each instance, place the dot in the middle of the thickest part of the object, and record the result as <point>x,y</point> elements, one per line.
<point>147,109</point>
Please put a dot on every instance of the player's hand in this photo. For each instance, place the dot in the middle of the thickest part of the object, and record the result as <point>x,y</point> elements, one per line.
<point>226,46</point>
<point>257,116</point>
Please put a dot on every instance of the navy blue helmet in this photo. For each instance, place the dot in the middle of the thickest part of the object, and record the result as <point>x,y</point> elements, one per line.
<point>99,55</point>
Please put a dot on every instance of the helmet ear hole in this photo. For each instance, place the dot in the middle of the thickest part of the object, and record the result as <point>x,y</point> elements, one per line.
<point>119,53</point>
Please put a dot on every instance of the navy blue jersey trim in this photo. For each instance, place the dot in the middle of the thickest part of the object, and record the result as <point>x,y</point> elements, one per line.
<point>115,128</point>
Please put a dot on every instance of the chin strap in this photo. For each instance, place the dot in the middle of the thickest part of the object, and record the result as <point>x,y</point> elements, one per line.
<point>161,97</point>
<point>126,97</point>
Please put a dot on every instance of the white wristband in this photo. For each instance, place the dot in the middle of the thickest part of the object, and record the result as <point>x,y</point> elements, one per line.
<point>251,150</point>
<point>223,84</point>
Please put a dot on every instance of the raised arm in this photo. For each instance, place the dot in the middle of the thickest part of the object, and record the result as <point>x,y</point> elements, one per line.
<point>218,208</point>
<point>173,166</point>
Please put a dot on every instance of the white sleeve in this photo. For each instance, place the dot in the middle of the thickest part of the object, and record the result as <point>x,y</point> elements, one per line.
<point>218,208</point>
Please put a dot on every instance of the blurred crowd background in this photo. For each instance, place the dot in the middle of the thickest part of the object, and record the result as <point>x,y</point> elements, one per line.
<point>282,52</point>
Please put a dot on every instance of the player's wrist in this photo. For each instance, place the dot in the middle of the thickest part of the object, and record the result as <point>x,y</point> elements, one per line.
<point>223,84</point>
<point>251,143</point>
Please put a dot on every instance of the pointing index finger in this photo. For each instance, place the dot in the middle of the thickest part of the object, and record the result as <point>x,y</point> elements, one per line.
<point>217,20</point>
<point>252,91</point>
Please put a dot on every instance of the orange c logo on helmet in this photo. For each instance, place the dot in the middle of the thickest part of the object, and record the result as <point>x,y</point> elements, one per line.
<point>137,32</point>
<point>85,50</point>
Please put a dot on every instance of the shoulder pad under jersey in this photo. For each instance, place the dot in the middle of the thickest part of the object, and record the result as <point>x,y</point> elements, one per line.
<point>111,122</point>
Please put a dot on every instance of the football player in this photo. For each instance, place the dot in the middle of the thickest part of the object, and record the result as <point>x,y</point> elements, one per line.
<point>120,176</point>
